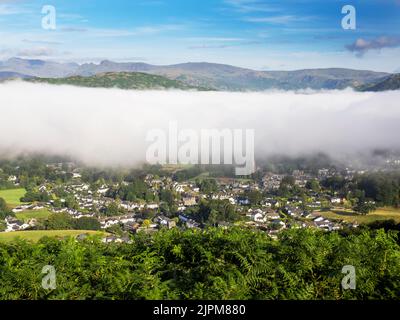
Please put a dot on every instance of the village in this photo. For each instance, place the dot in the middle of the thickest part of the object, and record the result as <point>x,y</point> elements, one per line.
<point>257,203</point>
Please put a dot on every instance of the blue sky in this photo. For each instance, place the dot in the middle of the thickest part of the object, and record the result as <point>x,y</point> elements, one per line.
<point>264,35</point>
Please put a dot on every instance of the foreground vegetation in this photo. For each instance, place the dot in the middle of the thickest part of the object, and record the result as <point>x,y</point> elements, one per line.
<point>212,264</point>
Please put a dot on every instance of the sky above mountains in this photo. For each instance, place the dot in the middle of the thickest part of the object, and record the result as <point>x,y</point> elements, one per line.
<point>258,34</point>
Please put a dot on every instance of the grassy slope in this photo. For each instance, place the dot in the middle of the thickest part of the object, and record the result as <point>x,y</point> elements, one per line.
<point>350,216</point>
<point>12,196</point>
<point>38,234</point>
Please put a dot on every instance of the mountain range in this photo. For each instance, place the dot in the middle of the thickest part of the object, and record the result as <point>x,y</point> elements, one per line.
<point>200,74</point>
<point>391,82</point>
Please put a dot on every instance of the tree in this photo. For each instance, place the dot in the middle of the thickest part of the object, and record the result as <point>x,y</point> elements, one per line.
<point>32,196</point>
<point>213,217</point>
<point>146,223</point>
<point>364,207</point>
<point>70,202</point>
<point>207,186</point>
<point>4,210</point>
<point>59,221</point>
<point>111,210</point>
<point>335,183</point>
<point>382,187</point>
<point>254,197</point>
<point>167,196</point>
<point>288,180</point>
<point>222,210</point>
<point>313,185</point>
<point>87,223</point>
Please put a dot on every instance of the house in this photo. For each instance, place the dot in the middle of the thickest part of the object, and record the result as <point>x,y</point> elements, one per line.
<point>243,201</point>
<point>272,181</point>
<point>181,208</point>
<point>271,215</point>
<point>152,206</point>
<point>322,223</point>
<point>109,239</point>
<point>279,224</point>
<point>189,201</point>
<point>307,215</point>
<point>192,224</point>
<point>183,218</point>
<point>166,222</point>
<point>108,223</point>
<point>336,200</point>
<point>14,224</point>
<point>180,188</point>
<point>114,239</point>
<point>258,217</point>
<point>37,207</point>
<point>103,189</point>
<point>131,226</point>
<point>12,178</point>
<point>32,222</point>
<point>292,211</point>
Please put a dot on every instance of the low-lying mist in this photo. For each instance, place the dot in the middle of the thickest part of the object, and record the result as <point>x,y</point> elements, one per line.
<point>109,126</point>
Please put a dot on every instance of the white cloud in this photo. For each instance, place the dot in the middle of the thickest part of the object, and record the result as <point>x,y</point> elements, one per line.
<point>137,31</point>
<point>36,52</point>
<point>282,19</point>
<point>8,10</point>
<point>247,6</point>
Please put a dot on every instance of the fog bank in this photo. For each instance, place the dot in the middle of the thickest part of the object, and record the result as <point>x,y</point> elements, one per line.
<point>109,126</point>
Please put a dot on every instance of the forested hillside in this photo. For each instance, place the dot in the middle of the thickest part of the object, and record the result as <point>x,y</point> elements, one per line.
<point>121,80</point>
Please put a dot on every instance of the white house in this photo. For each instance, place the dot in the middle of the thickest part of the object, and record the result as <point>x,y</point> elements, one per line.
<point>258,217</point>
<point>336,200</point>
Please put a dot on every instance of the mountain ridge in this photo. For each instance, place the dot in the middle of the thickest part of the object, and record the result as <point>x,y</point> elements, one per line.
<point>205,74</point>
<point>391,82</point>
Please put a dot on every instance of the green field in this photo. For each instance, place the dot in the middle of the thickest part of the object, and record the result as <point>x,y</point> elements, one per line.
<point>350,216</point>
<point>33,214</point>
<point>38,234</point>
<point>176,167</point>
<point>12,196</point>
<point>202,176</point>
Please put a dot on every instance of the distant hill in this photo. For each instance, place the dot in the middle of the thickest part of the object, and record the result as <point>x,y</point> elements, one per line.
<point>391,82</point>
<point>226,77</point>
<point>39,68</point>
<point>121,80</point>
<point>6,75</point>
<point>206,75</point>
